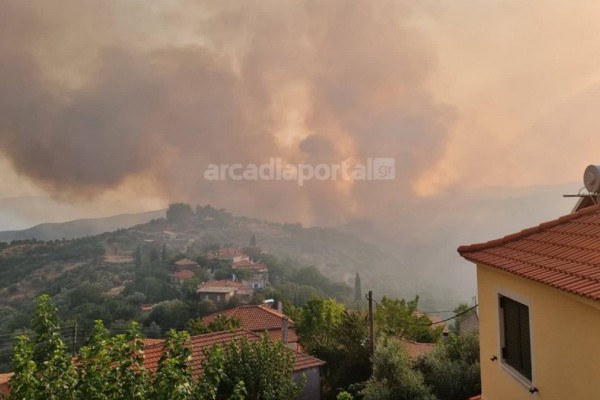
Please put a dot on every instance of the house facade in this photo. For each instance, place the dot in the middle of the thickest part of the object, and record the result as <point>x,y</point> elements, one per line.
<point>539,310</point>
<point>220,292</point>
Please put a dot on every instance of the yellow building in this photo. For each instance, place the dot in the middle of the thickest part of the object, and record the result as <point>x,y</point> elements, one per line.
<point>539,310</point>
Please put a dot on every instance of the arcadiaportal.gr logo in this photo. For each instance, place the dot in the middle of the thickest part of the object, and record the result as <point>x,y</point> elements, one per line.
<point>277,170</point>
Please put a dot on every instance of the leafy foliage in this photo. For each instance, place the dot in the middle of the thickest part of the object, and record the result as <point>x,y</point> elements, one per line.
<point>338,336</point>
<point>452,370</point>
<point>179,213</point>
<point>45,368</point>
<point>220,323</point>
<point>111,367</point>
<point>398,317</point>
<point>393,376</point>
<point>266,368</point>
<point>173,380</point>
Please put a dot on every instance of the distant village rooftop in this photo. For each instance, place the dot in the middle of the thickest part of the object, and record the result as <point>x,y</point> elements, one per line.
<point>185,262</point>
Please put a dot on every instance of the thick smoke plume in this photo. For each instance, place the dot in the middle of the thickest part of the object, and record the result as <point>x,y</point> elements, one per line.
<point>98,96</point>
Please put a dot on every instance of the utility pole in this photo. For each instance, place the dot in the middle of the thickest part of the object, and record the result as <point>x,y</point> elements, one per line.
<point>371,323</point>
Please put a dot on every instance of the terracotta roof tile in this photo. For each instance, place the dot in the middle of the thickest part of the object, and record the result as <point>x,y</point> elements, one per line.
<point>259,319</point>
<point>202,342</point>
<point>223,284</point>
<point>184,275</point>
<point>4,378</point>
<point>253,318</point>
<point>563,253</point>
<point>416,349</point>
<point>184,262</point>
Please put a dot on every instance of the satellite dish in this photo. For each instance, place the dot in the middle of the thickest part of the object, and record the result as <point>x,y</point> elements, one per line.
<point>591,178</point>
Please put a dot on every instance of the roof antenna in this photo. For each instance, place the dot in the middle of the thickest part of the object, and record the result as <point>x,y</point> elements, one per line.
<point>591,182</point>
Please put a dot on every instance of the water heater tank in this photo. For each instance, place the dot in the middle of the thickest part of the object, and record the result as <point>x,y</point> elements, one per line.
<point>591,178</point>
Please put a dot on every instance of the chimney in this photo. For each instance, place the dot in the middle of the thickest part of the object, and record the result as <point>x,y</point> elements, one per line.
<point>284,328</point>
<point>280,307</point>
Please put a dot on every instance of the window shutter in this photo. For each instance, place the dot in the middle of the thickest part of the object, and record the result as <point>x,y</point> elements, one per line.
<point>525,341</point>
<point>512,335</point>
<point>517,347</point>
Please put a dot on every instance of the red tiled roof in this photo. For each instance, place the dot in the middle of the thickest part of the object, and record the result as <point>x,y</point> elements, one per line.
<point>184,275</point>
<point>184,262</point>
<point>148,342</point>
<point>563,253</point>
<point>230,252</point>
<point>255,267</point>
<point>153,350</point>
<point>4,378</point>
<point>242,264</point>
<point>201,342</point>
<point>416,349</point>
<point>222,284</point>
<point>258,319</point>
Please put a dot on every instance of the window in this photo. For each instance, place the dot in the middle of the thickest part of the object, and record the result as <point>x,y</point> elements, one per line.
<point>516,345</point>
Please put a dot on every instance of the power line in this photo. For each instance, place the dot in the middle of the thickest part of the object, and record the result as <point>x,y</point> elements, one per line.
<point>437,322</point>
<point>447,319</point>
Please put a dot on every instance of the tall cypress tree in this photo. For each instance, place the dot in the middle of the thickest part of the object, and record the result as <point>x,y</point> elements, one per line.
<point>357,288</point>
<point>163,254</point>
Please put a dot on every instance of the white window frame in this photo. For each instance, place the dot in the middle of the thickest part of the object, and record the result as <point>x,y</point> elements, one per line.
<point>500,329</point>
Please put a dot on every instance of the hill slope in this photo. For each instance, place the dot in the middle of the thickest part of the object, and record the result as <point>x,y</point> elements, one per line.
<point>80,228</point>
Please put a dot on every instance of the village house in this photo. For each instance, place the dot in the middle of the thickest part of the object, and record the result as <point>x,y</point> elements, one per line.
<point>231,253</point>
<point>305,365</point>
<point>186,263</point>
<point>253,275</point>
<point>539,309</point>
<point>220,292</point>
<point>181,276</point>
<point>260,319</point>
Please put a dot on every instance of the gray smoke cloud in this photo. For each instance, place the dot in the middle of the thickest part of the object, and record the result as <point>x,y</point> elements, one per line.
<point>96,95</point>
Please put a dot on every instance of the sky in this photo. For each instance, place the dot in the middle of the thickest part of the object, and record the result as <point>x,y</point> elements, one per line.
<point>121,106</point>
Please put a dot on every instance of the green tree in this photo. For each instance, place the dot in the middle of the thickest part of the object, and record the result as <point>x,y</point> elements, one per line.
<point>55,371</point>
<point>179,213</point>
<point>138,257</point>
<point>318,321</point>
<point>163,255</point>
<point>173,380</point>
<point>154,257</point>
<point>128,379</point>
<point>398,317</point>
<point>42,366</point>
<point>170,314</point>
<point>265,367</point>
<point>452,370</point>
<point>253,240</point>
<point>213,372</point>
<point>221,323</point>
<point>95,365</point>
<point>393,376</point>
<point>213,364</point>
<point>25,383</point>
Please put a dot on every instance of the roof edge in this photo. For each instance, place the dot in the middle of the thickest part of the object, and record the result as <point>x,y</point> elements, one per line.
<point>466,249</point>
